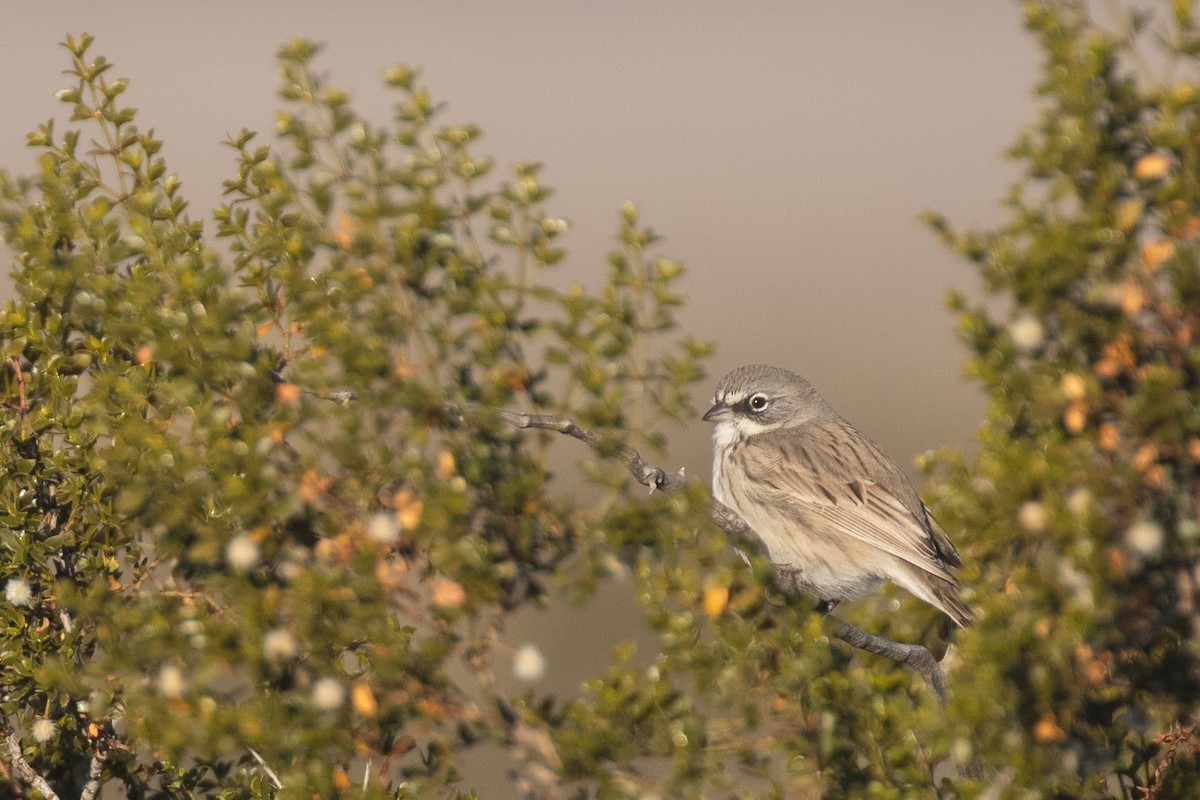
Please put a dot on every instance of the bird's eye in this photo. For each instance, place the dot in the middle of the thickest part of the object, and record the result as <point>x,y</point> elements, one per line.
<point>758,402</point>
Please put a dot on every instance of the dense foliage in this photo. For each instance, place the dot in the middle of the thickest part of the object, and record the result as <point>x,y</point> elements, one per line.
<point>1083,506</point>
<point>263,521</point>
<point>257,495</point>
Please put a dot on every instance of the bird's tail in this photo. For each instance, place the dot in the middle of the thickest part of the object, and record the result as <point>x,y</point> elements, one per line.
<point>945,597</point>
<point>940,591</point>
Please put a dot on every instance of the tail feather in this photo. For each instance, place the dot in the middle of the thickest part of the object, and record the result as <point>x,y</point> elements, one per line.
<point>939,592</point>
<point>947,600</point>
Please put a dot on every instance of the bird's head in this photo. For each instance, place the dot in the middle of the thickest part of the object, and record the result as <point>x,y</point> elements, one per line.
<point>758,398</point>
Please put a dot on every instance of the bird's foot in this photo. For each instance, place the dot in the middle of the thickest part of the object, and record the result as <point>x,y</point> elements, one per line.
<point>826,606</point>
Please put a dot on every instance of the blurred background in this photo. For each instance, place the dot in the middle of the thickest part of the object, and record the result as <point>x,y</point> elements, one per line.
<point>784,151</point>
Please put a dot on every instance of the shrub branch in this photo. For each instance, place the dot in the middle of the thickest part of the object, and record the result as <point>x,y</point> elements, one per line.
<point>22,767</point>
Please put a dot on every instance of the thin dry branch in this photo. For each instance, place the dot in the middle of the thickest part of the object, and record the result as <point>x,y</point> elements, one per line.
<point>22,767</point>
<point>91,789</point>
<point>645,473</point>
<point>262,762</point>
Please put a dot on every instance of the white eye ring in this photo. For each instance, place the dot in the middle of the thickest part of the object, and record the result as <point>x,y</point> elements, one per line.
<point>758,402</point>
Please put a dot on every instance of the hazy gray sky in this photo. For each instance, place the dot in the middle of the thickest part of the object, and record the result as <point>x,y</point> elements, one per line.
<point>784,150</point>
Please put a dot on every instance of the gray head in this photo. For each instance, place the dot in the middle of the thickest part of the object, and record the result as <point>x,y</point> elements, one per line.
<point>760,398</point>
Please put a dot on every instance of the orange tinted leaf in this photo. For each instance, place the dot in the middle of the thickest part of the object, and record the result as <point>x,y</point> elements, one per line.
<point>1046,729</point>
<point>1155,253</point>
<point>409,508</point>
<point>1151,166</point>
<point>1146,456</point>
<point>1073,386</point>
<point>362,700</point>
<point>1133,298</point>
<point>1108,437</point>
<point>1075,418</point>
<point>343,230</point>
<point>445,467</point>
<point>446,593</point>
<point>313,485</point>
<point>287,394</point>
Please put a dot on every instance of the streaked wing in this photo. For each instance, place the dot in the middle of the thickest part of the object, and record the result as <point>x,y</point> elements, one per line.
<point>941,541</point>
<point>860,492</point>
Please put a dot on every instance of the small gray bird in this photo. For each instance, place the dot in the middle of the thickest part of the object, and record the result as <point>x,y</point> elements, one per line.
<point>835,514</point>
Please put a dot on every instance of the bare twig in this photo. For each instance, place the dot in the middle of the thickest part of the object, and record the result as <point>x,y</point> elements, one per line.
<point>643,471</point>
<point>23,402</point>
<point>1178,735</point>
<point>22,767</point>
<point>92,788</point>
<point>262,762</point>
<point>912,655</point>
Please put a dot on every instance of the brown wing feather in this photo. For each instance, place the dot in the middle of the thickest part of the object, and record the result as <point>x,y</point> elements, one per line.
<point>828,471</point>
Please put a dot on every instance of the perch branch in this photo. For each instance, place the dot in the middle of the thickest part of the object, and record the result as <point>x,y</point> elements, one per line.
<point>645,473</point>
<point>22,767</point>
<point>91,789</point>
<point>914,655</point>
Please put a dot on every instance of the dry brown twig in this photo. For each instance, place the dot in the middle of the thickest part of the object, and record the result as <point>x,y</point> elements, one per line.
<point>1178,735</point>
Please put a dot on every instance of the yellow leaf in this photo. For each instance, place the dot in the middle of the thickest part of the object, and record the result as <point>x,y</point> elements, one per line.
<point>1073,387</point>
<point>1155,253</point>
<point>1146,456</point>
<point>343,230</point>
<point>1133,298</point>
<point>1151,166</point>
<point>1046,729</point>
<point>445,467</point>
<point>431,708</point>
<point>409,508</point>
<point>1075,418</point>
<point>362,699</point>
<point>715,600</point>
<point>391,573</point>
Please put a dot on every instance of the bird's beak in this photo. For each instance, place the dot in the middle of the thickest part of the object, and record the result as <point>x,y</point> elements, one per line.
<point>718,413</point>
